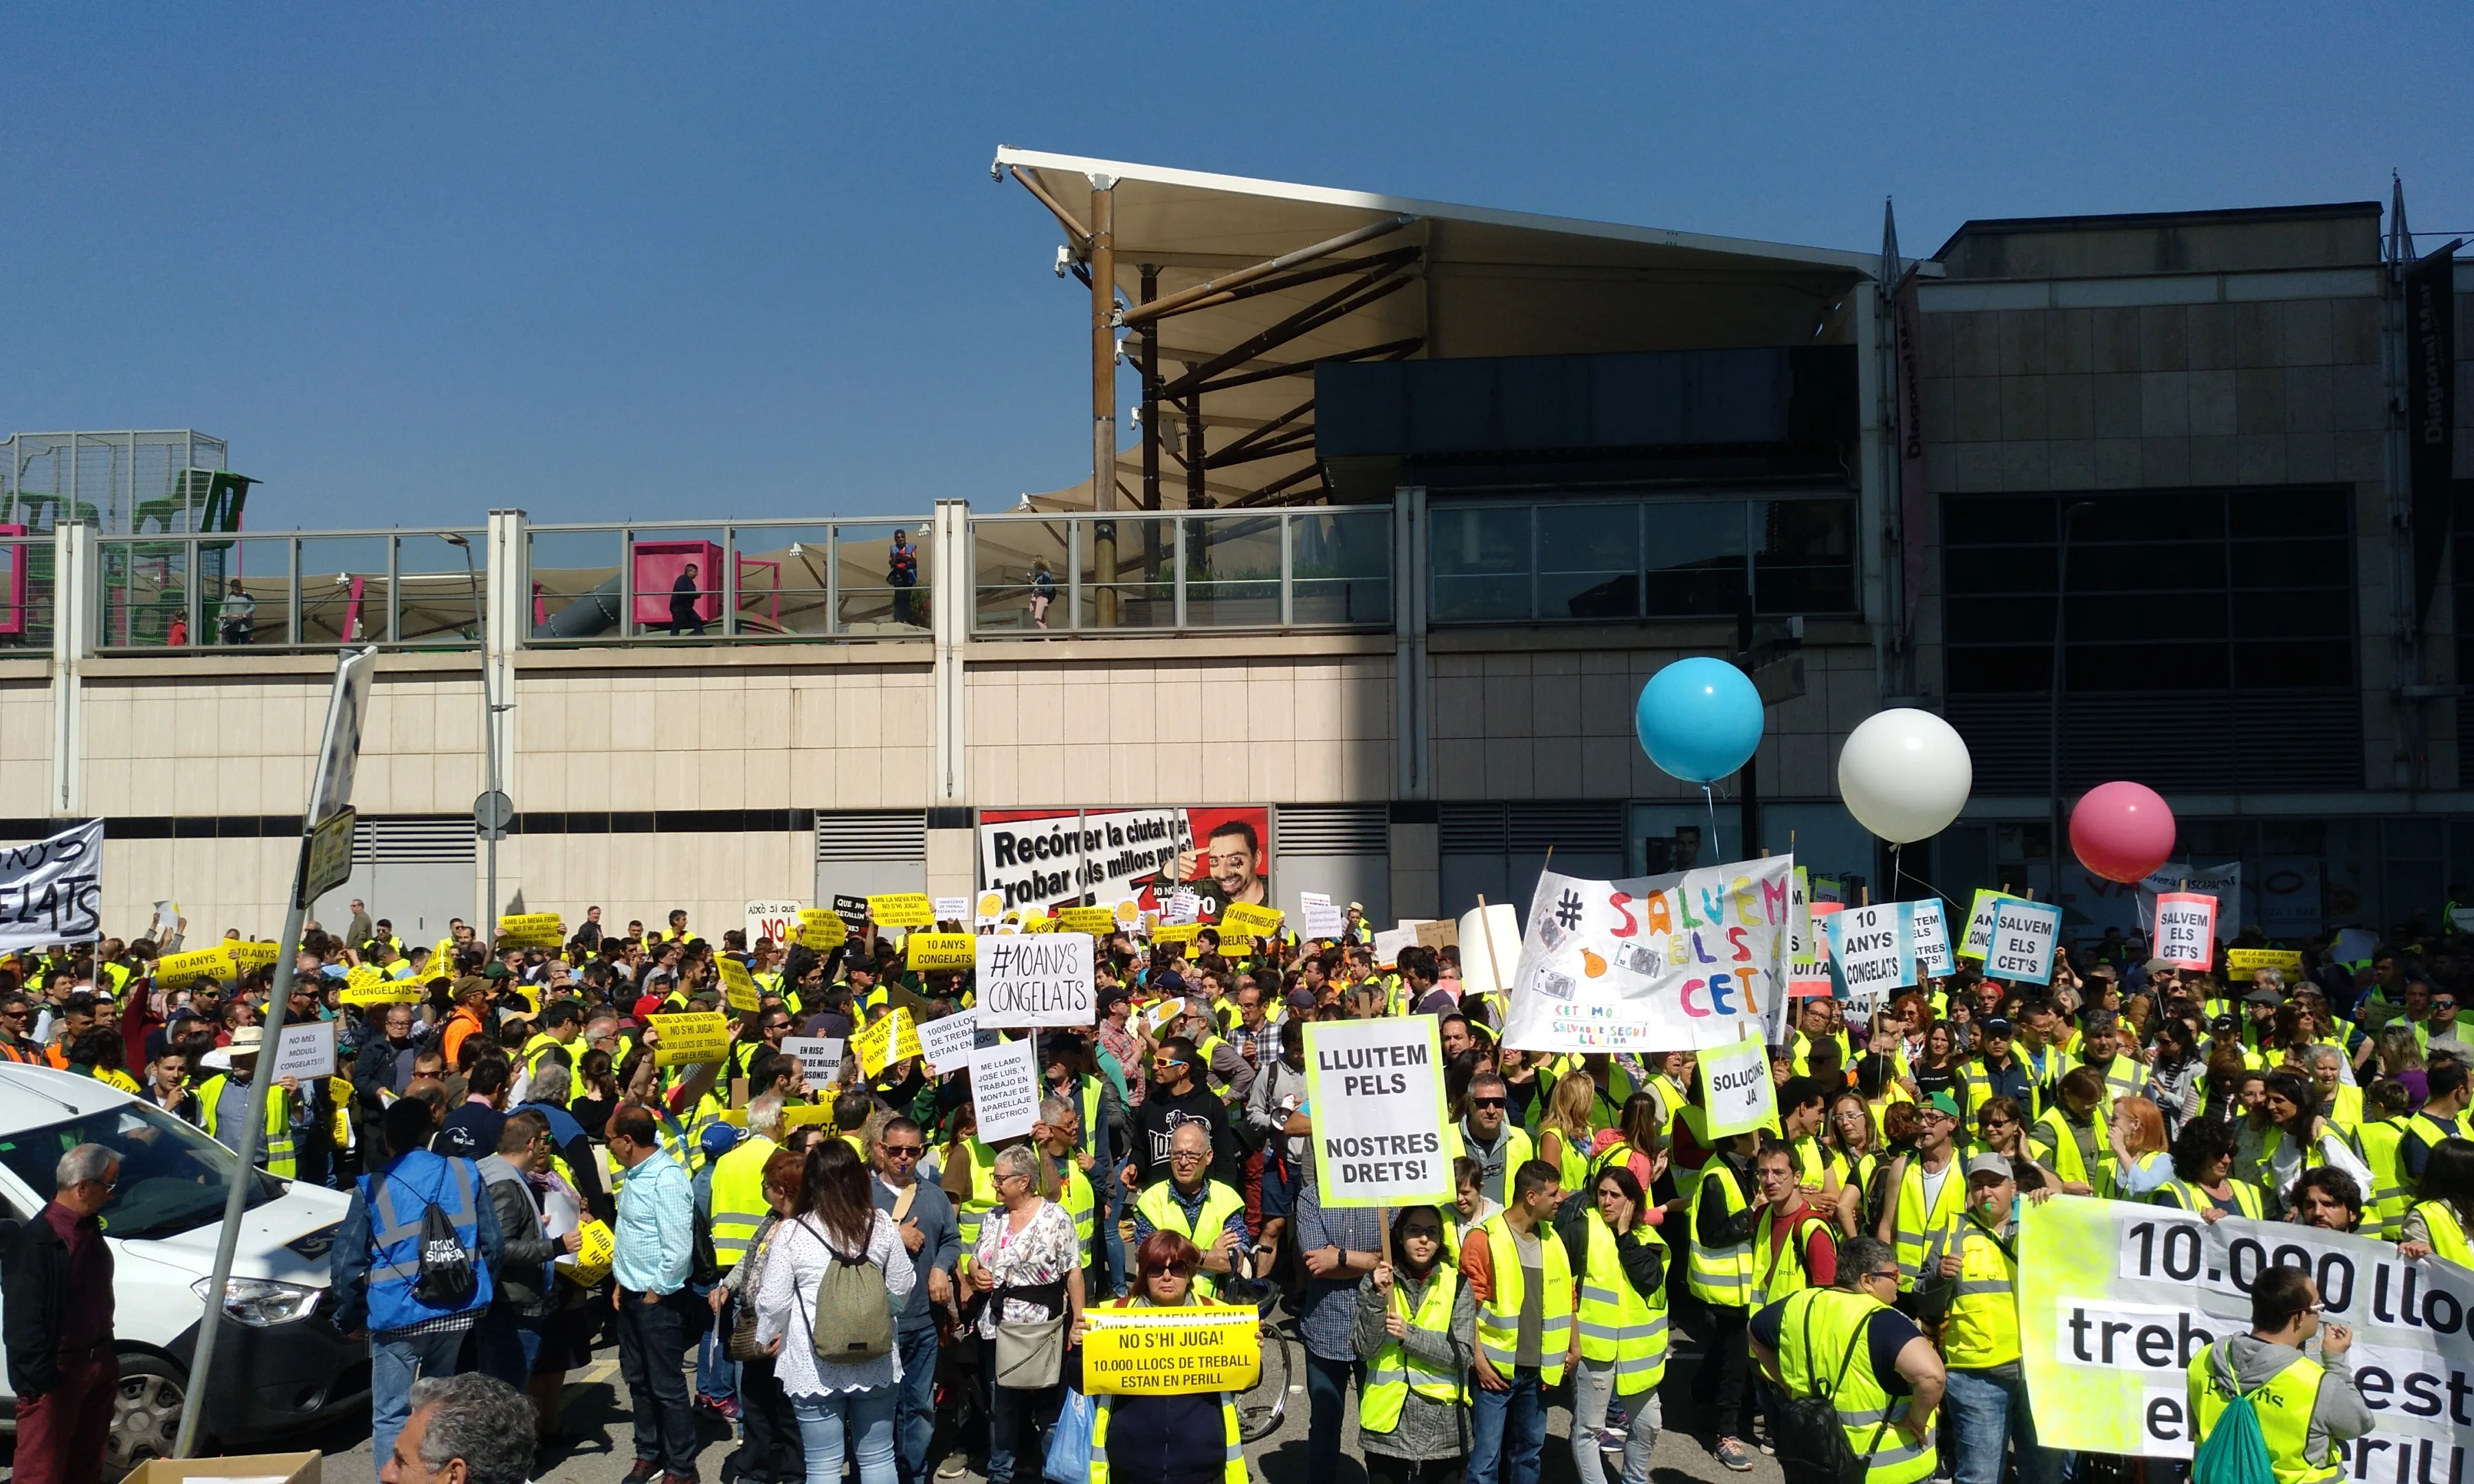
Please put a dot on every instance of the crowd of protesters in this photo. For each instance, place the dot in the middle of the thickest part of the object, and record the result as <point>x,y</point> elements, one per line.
<point>692,1212</point>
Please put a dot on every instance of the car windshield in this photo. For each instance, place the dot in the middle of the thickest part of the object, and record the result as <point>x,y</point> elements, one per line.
<point>173,1176</point>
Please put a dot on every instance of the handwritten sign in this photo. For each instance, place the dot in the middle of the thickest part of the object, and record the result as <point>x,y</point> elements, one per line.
<point>1874,947</point>
<point>1736,1089</point>
<point>532,930</point>
<point>2186,930</point>
<point>1376,1088</point>
<point>1319,918</point>
<point>1246,920</point>
<point>902,909</point>
<point>938,950</point>
<point>774,920</point>
<point>1102,920</point>
<point>1167,1352</point>
<point>689,1039</point>
<point>947,1041</point>
<point>1931,931</point>
<point>306,1051</point>
<point>820,930</point>
<point>952,909</point>
<point>1027,981</point>
<point>2025,935</point>
<point>1004,1088</point>
<point>1978,941</point>
<point>892,1039</point>
<point>738,985</point>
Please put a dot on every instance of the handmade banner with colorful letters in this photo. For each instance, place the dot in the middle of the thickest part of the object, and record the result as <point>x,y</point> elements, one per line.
<point>2114,1299</point>
<point>2186,930</point>
<point>1667,963</point>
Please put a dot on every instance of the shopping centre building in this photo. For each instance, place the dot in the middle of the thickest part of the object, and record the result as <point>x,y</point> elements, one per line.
<point>1397,505</point>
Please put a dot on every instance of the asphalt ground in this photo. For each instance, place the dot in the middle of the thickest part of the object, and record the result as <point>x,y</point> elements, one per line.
<point>597,1420</point>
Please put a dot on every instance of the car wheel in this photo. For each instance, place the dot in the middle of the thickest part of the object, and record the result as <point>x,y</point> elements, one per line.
<point>145,1413</point>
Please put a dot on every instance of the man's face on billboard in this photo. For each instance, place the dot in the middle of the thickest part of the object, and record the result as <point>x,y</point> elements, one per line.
<point>1232,865</point>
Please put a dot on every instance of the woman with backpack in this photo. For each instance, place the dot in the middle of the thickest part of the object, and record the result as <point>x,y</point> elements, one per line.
<point>830,1269</point>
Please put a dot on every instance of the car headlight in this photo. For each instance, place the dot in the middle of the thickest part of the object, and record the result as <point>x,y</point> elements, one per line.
<point>259,1303</point>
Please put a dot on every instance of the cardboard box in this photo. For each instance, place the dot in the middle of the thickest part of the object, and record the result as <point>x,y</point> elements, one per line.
<point>253,1467</point>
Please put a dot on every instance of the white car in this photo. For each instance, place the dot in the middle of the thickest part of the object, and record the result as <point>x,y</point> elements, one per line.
<point>278,1363</point>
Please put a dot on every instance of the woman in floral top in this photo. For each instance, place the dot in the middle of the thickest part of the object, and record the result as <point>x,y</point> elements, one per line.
<point>1028,1250</point>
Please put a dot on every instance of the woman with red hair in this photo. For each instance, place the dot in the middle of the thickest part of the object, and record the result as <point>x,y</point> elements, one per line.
<point>1163,1438</point>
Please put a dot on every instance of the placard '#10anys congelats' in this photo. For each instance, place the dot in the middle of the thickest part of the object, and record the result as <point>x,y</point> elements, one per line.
<point>1035,979</point>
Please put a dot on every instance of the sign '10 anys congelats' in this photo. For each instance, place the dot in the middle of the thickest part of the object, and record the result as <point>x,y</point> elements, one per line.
<point>1037,979</point>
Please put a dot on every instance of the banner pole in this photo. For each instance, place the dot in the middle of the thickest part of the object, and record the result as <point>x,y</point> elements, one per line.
<point>1485,930</point>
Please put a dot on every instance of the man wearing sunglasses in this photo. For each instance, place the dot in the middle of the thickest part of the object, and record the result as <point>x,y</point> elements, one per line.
<point>1489,1137</point>
<point>1177,1098</point>
<point>58,1303</point>
<point>923,1216</point>
<point>16,1030</point>
<point>1890,1371</point>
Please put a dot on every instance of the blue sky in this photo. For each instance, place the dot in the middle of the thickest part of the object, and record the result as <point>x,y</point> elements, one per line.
<point>654,262</point>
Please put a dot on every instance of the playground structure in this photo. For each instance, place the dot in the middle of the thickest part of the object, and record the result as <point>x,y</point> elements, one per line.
<point>135,483</point>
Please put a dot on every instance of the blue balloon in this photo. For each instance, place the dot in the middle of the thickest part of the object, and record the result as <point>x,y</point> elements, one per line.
<point>1699,719</point>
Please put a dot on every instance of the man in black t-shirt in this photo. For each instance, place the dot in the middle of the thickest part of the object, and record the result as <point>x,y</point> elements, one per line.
<point>1175,1098</point>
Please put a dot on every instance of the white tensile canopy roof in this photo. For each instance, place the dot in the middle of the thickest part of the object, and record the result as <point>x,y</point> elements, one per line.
<point>1431,280</point>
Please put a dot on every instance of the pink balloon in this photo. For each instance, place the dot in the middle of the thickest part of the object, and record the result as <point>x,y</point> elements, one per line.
<point>2121,831</point>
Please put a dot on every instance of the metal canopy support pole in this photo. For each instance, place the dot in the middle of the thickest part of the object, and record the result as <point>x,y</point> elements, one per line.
<point>1151,395</point>
<point>1196,496</point>
<point>1104,388</point>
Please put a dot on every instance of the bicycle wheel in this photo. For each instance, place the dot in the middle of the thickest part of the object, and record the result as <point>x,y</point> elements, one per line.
<point>1262,1407</point>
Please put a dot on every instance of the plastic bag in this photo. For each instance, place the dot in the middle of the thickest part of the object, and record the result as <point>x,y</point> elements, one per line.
<point>1069,1442</point>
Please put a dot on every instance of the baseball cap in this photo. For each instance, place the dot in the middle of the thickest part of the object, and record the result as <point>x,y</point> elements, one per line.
<point>1995,1025</point>
<point>1943,1104</point>
<point>1998,1166</point>
<point>2262,995</point>
<point>717,1139</point>
<point>2225,1024</point>
<point>2155,966</point>
<point>1301,999</point>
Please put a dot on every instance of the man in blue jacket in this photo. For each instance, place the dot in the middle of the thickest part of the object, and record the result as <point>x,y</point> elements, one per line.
<point>415,1324</point>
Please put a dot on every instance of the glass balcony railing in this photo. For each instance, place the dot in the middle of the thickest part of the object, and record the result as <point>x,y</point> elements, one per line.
<point>308,592</point>
<point>748,580</point>
<point>1137,571</point>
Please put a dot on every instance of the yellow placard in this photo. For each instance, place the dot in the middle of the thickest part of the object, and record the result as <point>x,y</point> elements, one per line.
<point>1162,1351</point>
<point>820,929</point>
<point>367,985</point>
<point>532,930</point>
<point>2244,961</point>
<point>1040,926</point>
<point>890,1040</point>
<point>738,985</point>
<point>902,909</point>
<point>227,960</point>
<point>939,951</point>
<point>1102,920</point>
<point>689,1039</point>
<point>1176,932</point>
<point>1249,920</point>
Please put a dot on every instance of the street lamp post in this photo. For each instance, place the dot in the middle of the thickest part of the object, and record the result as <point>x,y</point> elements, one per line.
<point>490,709</point>
<point>2053,718</point>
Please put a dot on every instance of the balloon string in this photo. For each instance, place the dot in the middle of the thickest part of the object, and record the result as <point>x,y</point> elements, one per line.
<point>1717,847</point>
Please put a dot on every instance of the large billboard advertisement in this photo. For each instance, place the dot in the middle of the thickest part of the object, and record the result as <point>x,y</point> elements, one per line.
<point>1040,858</point>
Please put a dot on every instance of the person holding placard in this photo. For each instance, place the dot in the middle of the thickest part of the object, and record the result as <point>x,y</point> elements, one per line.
<point>1416,1329</point>
<point>223,1105</point>
<point>1182,1437</point>
<point>1621,1263</point>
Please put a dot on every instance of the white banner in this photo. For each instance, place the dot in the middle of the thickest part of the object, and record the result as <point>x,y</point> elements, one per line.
<point>2186,930</point>
<point>778,920</point>
<point>2114,1299</point>
<point>51,891</point>
<point>1319,918</point>
<point>1033,979</point>
<point>306,1051</point>
<point>1737,1093</point>
<point>947,1041</point>
<point>1375,1089</point>
<point>1663,963</point>
<point>1004,1088</point>
<point>1931,929</point>
<point>820,1058</point>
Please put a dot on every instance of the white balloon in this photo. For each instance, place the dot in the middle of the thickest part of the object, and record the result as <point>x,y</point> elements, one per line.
<point>1904,774</point>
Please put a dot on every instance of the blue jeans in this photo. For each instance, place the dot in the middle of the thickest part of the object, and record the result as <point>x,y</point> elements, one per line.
<point>1326,1397</point>
<point>1988,1410</point>
<point>1593,1386</point>
<point>914,1402</point>
<point>868,1415</point>
<point>1507,1430</point>
<point>505,1345</point>
<point>1104,1204</point>
<point>395,1364</point>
